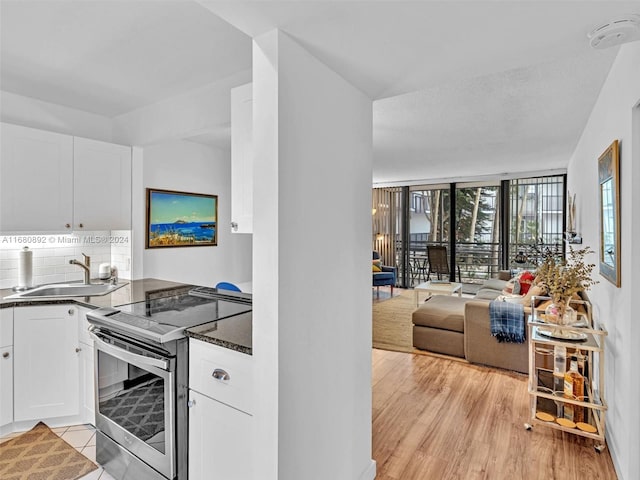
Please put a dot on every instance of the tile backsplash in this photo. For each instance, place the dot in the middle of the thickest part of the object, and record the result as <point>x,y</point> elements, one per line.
<point>52,252</point>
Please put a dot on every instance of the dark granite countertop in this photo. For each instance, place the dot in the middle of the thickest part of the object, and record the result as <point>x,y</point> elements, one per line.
<point>233,333</point>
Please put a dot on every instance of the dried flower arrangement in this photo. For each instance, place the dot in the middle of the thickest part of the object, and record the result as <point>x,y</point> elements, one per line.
<point>561,279</point>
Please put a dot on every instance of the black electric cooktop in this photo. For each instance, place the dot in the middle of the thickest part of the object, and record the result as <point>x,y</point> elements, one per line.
<point>165,314</point>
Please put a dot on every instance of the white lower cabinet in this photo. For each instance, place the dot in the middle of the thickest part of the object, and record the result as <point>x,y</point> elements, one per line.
<point>6,385</point>
<point>46,362</point>
<point>220,420</point>
<point>219,440</point>
<point>6,366</point>
<point>87,374</point>
<point>87,395</point>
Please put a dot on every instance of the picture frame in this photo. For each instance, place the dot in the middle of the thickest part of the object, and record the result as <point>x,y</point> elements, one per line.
<point>609,191</point>
<point>180,219</point>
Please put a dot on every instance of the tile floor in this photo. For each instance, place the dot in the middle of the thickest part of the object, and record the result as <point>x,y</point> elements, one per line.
<point>83,439</point>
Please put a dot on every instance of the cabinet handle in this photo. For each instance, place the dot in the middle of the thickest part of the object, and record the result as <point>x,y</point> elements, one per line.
<point>71,311</point>
<point>221,375</point>
<point>67,225</point>
<point>234,226</point>
<point>80,225</point>
<point>5,355</point>
<point>191,403</point>
<point>78,349</point>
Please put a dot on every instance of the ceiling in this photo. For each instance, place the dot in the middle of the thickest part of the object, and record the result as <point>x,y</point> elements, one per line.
<point>457,86</point>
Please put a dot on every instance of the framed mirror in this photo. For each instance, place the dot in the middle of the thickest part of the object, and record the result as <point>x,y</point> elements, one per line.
<point>608,178</point>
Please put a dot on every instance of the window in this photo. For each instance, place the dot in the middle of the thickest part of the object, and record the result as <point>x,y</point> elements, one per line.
<point>407,219</point>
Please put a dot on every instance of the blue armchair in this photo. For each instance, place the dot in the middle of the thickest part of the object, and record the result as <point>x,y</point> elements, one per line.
<point>386,277</point>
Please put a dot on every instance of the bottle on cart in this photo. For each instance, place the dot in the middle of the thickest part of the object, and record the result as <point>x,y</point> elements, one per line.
<point>559,370</point>
<point>574,388</point>
<point>582,368</point>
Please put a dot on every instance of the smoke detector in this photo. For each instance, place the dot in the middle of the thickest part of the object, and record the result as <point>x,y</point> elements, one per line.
<point>616,32</point>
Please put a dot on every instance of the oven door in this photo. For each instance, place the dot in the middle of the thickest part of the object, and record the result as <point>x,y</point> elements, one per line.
<point>135,388</point>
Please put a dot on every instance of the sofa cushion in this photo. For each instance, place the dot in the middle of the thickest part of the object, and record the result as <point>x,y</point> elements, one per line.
<point>443,312</point>
<point>376,265</point>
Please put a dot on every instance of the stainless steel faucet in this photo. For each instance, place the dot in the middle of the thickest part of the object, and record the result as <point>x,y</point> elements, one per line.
<point>86,266</point>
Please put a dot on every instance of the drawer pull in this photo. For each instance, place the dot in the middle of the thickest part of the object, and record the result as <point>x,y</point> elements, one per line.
<point>5,355</point>
<point>220,374</point>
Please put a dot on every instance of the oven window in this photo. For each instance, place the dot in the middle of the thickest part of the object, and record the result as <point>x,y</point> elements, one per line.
<point>133,398</point>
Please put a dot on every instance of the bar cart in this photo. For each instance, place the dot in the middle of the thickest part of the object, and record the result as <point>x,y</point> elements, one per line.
<point>551,345</point>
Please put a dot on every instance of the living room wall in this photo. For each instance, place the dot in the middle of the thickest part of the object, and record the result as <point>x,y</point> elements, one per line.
<point>616,115</point>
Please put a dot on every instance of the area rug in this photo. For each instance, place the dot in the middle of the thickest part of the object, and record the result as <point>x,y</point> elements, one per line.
<point>40,454</point>
<point>392,327</point>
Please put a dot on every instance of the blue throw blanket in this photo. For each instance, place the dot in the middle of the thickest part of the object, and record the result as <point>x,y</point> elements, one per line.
<point>507,321</point>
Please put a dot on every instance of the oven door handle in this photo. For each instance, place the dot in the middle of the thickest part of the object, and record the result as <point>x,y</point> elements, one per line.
<point>128,356</point>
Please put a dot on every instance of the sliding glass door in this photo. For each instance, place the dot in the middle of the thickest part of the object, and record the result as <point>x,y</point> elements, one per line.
<point>477,240</point>
<point>429,224</point>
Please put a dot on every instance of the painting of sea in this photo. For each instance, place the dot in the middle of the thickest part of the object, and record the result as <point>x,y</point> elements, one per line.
<point>181,219</point>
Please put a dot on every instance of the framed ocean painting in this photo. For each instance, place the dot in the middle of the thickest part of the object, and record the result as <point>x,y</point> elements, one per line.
<point>181,219</point>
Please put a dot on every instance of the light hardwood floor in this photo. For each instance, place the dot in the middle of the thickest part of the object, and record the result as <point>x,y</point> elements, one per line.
<point>438,418</point>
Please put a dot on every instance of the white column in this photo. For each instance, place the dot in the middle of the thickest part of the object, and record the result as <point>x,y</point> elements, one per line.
<point>311,273</point>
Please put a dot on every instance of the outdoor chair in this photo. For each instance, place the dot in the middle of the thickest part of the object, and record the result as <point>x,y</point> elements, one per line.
<point>439,262</point>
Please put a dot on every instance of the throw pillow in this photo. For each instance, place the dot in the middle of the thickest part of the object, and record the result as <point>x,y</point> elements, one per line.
<point>376,266</point>
<point>525,281</point>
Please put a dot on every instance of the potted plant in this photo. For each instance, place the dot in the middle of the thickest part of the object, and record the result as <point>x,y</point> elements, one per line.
<point>562,279</point>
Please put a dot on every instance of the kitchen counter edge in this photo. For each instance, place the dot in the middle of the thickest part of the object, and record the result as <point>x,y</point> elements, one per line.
<point>134,291</point>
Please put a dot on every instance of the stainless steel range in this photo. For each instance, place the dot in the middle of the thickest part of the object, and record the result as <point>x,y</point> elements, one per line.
<point>141,377</point>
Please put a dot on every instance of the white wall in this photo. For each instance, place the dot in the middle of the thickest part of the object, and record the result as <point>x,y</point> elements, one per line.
<point>30,112</point>
<point>312,301</point>
<point>615,307</point>
<point>190,167</point>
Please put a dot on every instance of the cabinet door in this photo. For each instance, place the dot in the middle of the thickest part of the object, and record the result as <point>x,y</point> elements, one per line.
<point>220,441</point>
<point>46,362</point>
<point>6,385</point>
<point>242,159</point>
<point>102,185</point>
<point>87,383</point>
<point>6,327</point>
<point>36,179</point>
<point>87,373</point>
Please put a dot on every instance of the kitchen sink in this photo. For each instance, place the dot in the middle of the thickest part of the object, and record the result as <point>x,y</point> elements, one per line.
<point>69,290</point>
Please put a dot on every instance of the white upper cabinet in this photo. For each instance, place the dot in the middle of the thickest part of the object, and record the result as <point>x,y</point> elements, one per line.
<point>242,159</point>
<point>102,185</point>
<point>36,180</point>
<point>56,182</point>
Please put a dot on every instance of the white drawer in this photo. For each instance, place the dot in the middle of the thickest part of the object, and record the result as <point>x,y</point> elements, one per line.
<point>236,390</point>
<point>6,327</point>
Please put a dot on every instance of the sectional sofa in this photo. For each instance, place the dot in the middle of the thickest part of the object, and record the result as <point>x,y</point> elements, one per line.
<point>460,327</point>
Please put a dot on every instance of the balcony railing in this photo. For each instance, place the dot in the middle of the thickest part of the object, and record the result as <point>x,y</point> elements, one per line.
<point>477,261</point>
